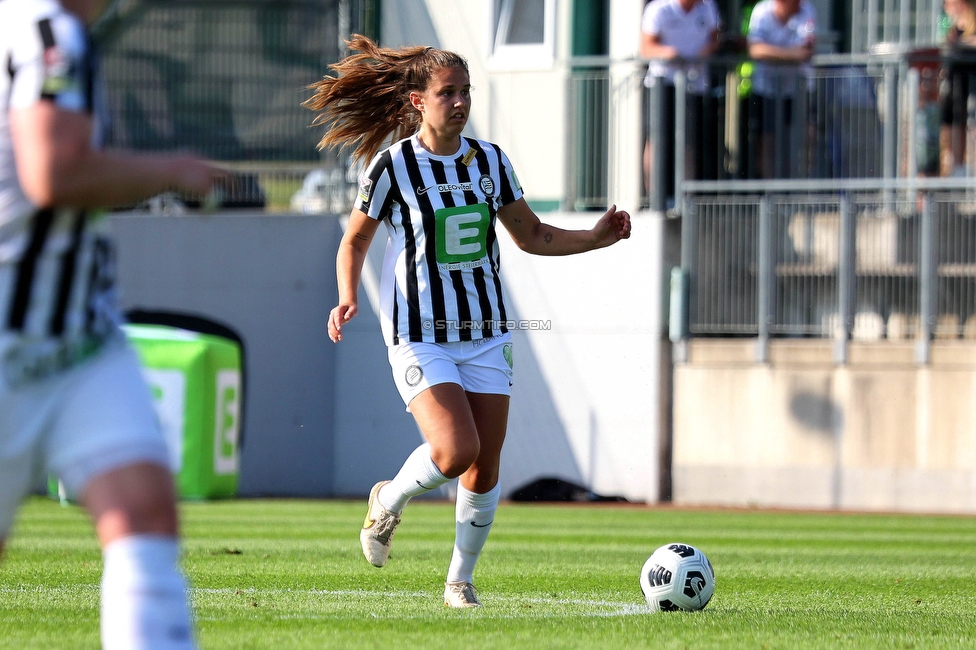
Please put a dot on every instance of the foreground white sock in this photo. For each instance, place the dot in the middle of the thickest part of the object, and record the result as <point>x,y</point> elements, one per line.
<point>418,475</point>
<point>144,599</point>
<point>473,514</point>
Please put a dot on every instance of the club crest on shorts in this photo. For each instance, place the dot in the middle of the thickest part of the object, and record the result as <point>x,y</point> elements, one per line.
<point>413,375</point>
<point>487,185</point>
<point>507,353</point>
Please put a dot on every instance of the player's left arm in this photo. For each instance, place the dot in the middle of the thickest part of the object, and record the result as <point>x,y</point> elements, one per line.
<point>58,167</point>
<point>539,238</point>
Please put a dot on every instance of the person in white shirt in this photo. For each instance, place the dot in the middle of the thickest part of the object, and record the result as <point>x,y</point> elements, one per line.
<point>675,36</point>
<point>781,40</point>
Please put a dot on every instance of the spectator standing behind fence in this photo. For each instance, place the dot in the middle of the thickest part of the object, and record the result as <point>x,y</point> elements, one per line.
<point>72,398</point>
<point>957,86</point>
<point>781,40</point>
<point>672,30</point>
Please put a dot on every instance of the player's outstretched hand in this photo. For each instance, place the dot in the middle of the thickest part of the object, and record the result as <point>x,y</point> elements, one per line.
<point>194,176</point>
<point>339,316</point>
<point>613,226</point>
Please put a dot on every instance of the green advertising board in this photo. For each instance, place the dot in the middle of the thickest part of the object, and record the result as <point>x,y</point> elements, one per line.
<point>195,381</point>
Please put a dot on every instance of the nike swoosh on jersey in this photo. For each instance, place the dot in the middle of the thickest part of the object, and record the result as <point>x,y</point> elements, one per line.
<point>423,190</point>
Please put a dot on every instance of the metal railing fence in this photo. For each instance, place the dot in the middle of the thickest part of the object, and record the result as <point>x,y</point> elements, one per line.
<point>888,262</point>
<point>732,119</point>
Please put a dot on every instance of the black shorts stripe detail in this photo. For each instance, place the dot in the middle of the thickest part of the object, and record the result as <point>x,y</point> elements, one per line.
<point>40,229</point>
<point>430,250</point>
<point>69,262</point>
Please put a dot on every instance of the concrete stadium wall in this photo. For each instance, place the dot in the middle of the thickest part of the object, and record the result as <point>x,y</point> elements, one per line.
<point>272,280</point>
<point>326,420</point>
<point>879,433</point>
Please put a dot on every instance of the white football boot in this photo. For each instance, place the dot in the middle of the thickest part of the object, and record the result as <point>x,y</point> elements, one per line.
<point>378,529</point>
<point>461,594</point>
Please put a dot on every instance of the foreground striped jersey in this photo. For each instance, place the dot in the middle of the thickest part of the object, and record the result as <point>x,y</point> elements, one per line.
<point>440,275</point>
<point>56,266</point>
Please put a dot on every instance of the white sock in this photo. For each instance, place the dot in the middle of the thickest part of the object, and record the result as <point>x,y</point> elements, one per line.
<point>473,514</point>
<point>418,475</point>
<point>144,598</point>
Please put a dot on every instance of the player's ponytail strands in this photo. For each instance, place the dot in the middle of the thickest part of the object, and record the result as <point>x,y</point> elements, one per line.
<point>367,101</point>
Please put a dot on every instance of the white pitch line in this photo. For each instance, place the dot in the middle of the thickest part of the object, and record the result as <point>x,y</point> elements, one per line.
<point>611,608</point>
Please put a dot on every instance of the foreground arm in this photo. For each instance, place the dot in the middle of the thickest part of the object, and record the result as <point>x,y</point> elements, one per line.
<point>651,47</point>
<point>58,167</point>
<point>767,52</point>
<point>534,236</point>
<point>349,267</point>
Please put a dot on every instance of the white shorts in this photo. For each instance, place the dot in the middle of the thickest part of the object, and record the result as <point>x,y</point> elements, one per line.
<point>479,366</point>
<point>78,424</point>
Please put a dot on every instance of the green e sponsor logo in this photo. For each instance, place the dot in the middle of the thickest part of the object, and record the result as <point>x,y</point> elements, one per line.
<point>227,422</point>
<point>462,235</point>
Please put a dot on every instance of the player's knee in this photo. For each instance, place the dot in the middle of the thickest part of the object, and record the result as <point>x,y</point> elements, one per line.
<point>455,461</point>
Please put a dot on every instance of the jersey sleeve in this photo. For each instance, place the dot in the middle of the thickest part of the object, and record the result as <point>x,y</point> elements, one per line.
<point>757,25</point>
<point>50,60</point>
<point>651,20</point>
<point>374,187</point>
<point>511,188</point>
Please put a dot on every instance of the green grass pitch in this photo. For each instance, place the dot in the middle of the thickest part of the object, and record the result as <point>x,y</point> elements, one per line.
<point>288,574</point>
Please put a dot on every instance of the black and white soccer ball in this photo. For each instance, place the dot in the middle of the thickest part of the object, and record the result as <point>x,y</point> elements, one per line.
<point>677,577</point>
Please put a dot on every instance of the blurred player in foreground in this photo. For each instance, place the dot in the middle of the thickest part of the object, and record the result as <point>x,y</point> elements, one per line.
<point>443,317</point>
<point>72,398</point>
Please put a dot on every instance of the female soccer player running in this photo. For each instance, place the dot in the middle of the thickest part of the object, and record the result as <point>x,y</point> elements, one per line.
<point>443,316</point>
<point>72,398</point>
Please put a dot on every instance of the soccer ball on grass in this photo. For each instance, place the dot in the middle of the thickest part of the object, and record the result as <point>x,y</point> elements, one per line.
<point>677,577</point>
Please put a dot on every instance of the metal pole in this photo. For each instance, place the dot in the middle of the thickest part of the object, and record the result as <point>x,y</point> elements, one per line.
<point>680,135</point>
<point>687,278</point>
<point>846,279</point>
<point>657,194</point>
<point>764,299</point>
<point>890,143</point>
<point>928,281</point>
<point>911,111</point>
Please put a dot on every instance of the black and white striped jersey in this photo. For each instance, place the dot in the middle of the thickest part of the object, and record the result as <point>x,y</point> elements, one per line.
<point>56,264</point>
<point>440,279</point>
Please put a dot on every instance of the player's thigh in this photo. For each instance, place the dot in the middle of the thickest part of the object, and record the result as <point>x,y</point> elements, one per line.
<point>107,447</point>
<point>487,375</point>
<point>131,500</point>
<point>444,416</point>
<point>490,413</point>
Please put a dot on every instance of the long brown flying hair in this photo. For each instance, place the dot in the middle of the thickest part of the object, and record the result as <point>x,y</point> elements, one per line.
<point>368,99</point>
